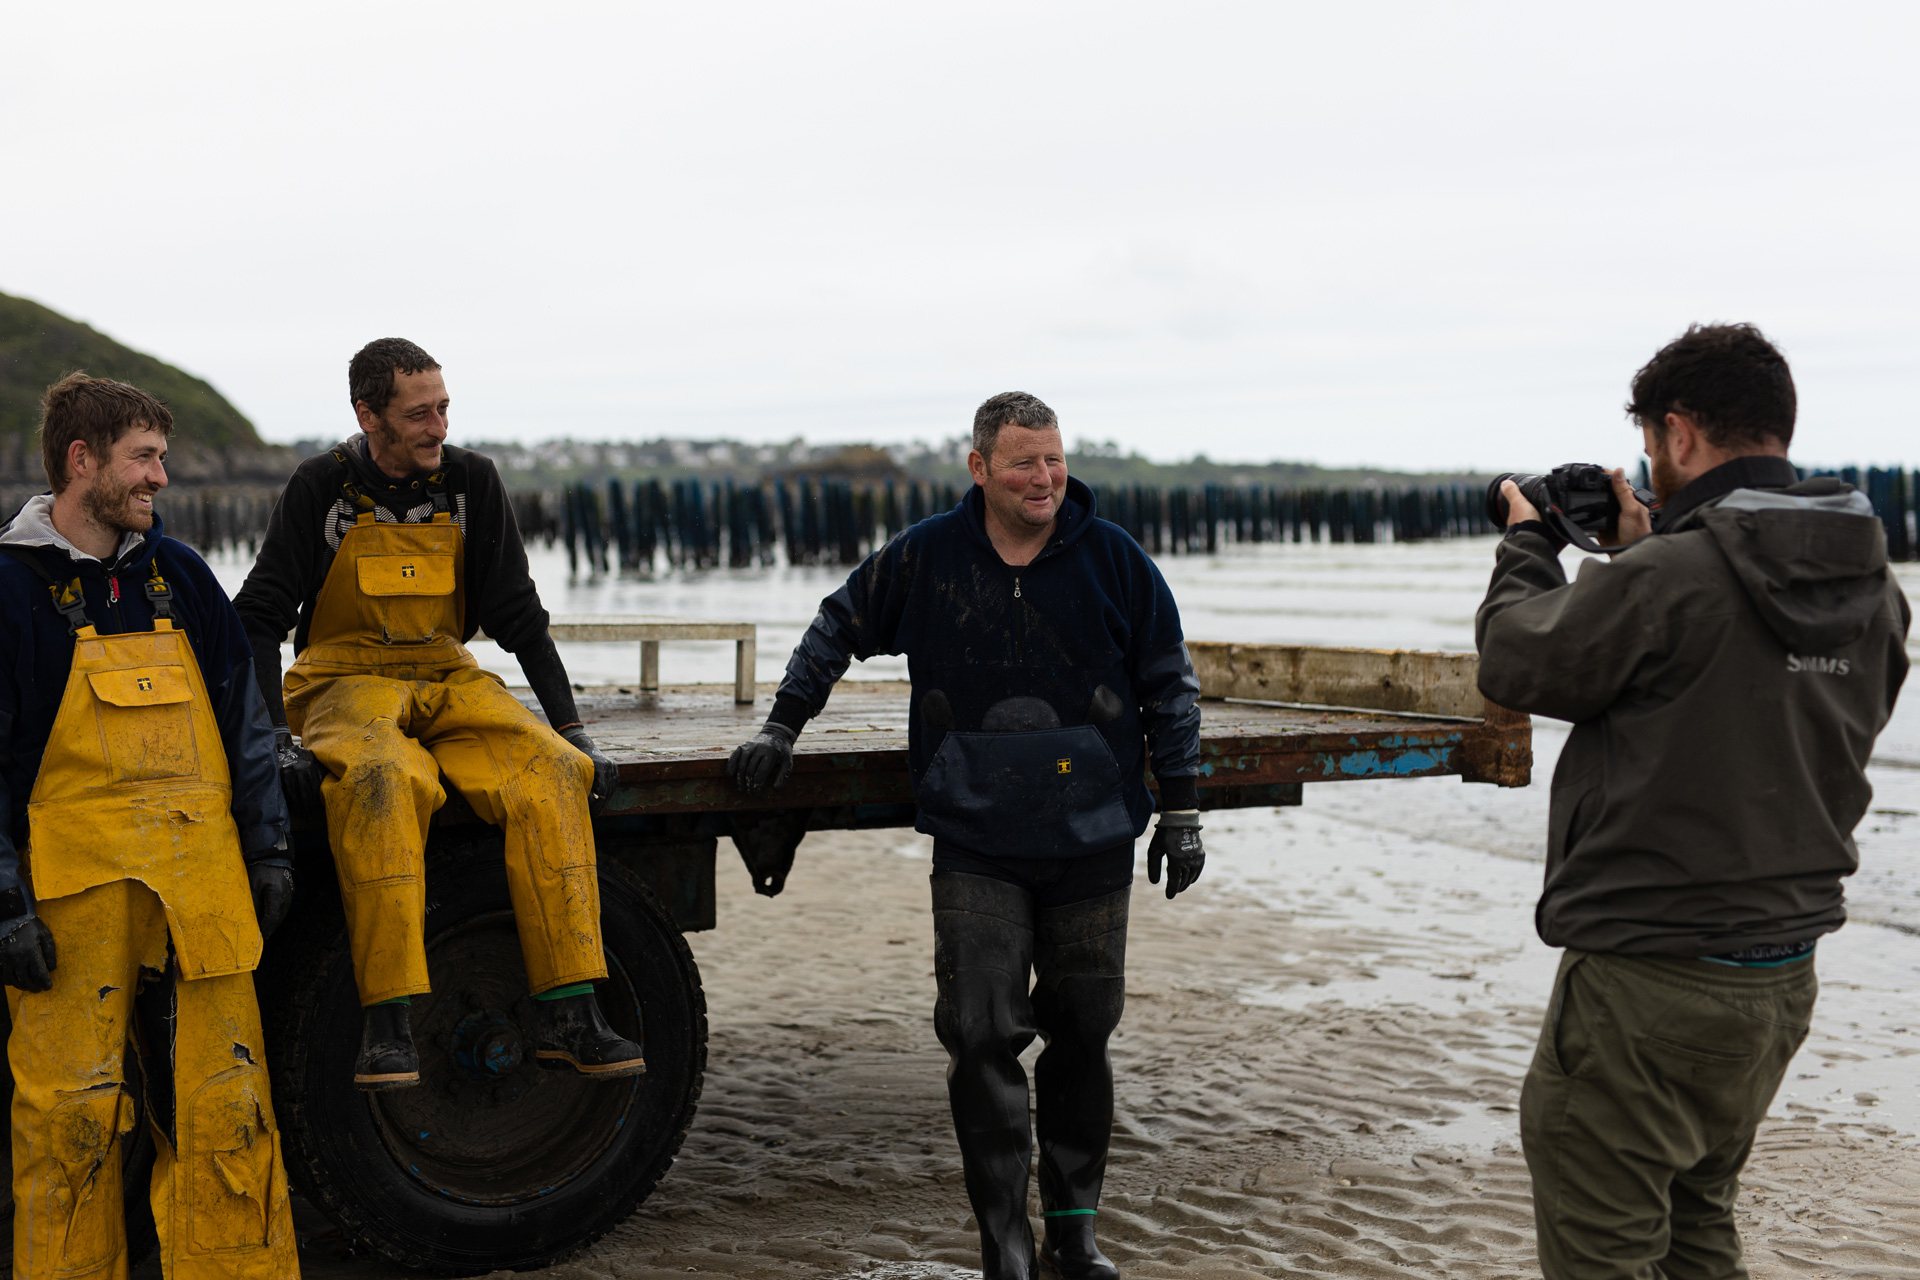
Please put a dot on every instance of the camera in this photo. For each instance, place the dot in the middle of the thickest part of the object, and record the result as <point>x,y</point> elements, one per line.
<point>1575,499</point>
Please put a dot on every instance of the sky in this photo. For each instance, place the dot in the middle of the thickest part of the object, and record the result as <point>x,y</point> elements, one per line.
<point>1418,235</point>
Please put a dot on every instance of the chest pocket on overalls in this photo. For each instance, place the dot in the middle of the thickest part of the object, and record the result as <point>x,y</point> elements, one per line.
<point>406,594</point>
<point>146,723</point>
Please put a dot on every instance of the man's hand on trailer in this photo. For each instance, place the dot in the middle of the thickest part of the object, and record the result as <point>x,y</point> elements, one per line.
<point>765,759</point>
<point>606,774</point>
<point>1176,840</point>
<point>300,776</point>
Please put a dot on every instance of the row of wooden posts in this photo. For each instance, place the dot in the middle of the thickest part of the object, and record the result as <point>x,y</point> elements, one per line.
<point>688,524</point>
<point>652,525</point>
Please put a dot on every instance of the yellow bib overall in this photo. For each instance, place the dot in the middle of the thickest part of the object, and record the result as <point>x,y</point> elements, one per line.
<point>132,846</point>
<point>389,700</point>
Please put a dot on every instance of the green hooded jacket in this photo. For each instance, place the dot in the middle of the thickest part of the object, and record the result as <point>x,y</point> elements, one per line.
<point>1726,679</point>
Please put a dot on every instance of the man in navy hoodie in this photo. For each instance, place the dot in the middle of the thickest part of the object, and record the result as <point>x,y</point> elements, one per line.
<point>1048,667</point>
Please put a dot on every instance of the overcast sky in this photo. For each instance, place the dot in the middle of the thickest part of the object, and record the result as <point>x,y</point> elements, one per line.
<point>1417,234</point>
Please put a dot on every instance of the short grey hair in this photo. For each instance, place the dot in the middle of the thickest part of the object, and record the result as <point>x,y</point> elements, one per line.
<point>1009,407</point>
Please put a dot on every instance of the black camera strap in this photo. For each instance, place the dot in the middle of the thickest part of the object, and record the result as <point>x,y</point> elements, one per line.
<point>1557,520</point>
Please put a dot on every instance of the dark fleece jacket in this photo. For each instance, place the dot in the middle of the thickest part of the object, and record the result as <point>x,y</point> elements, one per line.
<point>1037,689</point>
<point>1726,678</point>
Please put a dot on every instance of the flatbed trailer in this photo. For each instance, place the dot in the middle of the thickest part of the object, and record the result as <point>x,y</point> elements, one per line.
<point>491,1163</point>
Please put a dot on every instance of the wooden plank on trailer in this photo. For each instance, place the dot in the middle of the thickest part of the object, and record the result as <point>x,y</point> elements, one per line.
<point>1379,679</point>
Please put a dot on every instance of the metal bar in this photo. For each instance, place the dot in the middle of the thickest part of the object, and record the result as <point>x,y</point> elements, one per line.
<point>649,666</point>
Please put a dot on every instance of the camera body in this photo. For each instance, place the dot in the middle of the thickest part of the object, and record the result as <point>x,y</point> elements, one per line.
<point>1576,498</point>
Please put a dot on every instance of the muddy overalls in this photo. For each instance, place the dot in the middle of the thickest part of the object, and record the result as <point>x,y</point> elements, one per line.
<point>389,701</point>
<point>131,850</point>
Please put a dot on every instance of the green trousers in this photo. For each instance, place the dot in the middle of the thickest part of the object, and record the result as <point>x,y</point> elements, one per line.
<point>1640,1107</point>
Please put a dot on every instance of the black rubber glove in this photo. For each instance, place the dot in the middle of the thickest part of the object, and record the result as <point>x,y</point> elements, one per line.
<point>606,774</point>
<point>765,759</point>
<point>272,894</point>
<point>26,956</point>
<point>300,776</point>
<point>1177,840</point>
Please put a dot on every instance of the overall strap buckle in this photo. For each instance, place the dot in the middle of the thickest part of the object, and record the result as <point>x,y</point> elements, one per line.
<point>358,501</point>
<point>437,493</point>
<point>71,601</point>
<point>159,594</point>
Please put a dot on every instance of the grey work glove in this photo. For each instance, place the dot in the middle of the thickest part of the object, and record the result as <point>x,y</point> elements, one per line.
<point>1177,840</point>
<point>26,956</point>
<point>300,776</point>
<point>606,774</point>
<point>765,759</point>
<point>272,894</point>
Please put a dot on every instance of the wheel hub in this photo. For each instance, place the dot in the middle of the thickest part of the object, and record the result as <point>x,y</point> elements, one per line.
<point>486,1045</point>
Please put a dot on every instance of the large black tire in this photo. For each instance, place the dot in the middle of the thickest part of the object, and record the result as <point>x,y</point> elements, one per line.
<point>489,1162</point>
<point>136,1163</point>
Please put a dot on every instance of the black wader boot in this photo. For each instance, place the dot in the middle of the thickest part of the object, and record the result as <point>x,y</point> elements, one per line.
<point>387,1058</point>
<point>1079,958</point>
<point>982,947</point>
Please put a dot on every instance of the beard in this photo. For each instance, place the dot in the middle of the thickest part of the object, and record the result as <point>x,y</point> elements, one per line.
<point>108,504</point>
<point>1664,476</point>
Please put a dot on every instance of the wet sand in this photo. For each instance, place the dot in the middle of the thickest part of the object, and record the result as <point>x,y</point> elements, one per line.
<point>1266,1127</point>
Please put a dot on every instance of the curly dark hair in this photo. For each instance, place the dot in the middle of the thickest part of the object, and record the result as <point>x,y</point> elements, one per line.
<point>370,372</point>
<point>96,410</point>
<point>1728,378</point>
<point>1009,408</point>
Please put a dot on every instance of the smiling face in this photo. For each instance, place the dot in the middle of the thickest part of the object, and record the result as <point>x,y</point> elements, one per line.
<point>406,436</point>
<point>1025,480</point>
<point>116,492</point>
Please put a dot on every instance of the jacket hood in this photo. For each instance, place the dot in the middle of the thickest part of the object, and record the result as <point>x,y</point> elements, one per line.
<point>32,526</point>
<point>1812,559</point>
<point>1076,516</point>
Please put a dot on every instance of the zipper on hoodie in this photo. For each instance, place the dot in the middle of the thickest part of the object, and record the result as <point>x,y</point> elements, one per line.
<point>1019,624</point>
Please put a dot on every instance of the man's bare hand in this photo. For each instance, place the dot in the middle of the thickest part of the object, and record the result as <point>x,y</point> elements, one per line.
<point>1636,519</point>
<point>1518,508</point>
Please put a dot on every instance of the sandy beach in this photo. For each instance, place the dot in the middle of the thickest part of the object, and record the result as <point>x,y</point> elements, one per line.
<point>1272,1121</point>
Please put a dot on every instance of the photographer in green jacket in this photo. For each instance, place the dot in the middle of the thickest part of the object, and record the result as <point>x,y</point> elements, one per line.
<point>1726,673</point>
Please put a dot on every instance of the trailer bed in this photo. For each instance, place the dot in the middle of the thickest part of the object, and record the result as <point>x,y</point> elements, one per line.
<point>672,748</point>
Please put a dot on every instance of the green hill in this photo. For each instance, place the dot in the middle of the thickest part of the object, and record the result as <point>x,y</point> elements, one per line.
<point>39,346</point>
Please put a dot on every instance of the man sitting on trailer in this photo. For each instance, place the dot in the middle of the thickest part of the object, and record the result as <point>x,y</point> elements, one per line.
<point>1726,673</point>
<point>1047,663</point>
<point>137,761</point>
<point>384,556</point>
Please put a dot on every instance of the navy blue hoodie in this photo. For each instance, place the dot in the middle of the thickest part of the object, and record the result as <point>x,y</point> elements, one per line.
<point>1015,751</point>
<point>36,654</point>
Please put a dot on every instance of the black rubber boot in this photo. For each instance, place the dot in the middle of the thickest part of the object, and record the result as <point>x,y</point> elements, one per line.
<point>387,1058</point>
<point>1080,956</point>
<point>982,949</point>
<point>573,1034</point>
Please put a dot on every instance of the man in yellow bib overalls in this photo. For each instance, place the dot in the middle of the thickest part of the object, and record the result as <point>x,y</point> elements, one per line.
<point>385,555</point>
<point>137,761</point>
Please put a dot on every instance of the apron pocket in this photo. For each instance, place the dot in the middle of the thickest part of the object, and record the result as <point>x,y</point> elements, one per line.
<point>146,723</point>
<point>1044,793</point>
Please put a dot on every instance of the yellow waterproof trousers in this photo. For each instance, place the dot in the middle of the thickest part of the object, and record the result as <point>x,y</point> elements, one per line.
<point>219,1190</point>
<point>385,744</point>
